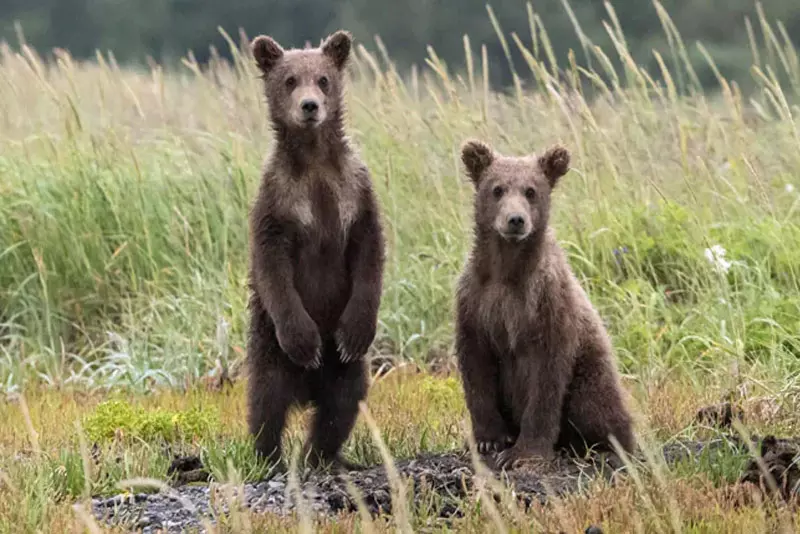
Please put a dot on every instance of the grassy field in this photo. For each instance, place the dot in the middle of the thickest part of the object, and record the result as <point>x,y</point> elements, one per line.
<point>123,257</point>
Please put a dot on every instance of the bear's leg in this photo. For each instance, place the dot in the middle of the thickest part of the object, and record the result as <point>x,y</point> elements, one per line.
<point>336,390</point>
<point>540,388</point>
<point>480,375</point>
<point>595,408</point>
<point>273,386</point>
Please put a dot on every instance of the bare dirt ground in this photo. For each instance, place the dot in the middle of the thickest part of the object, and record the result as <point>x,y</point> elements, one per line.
<point>448,478</point>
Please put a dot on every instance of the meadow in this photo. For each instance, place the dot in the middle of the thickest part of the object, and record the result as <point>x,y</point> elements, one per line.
<point>123,259</point>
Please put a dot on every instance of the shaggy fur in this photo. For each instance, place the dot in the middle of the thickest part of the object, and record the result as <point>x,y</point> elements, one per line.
<point>317,255</point>
<point>536,361</point>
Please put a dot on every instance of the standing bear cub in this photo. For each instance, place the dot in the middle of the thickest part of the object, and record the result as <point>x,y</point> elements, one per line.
<point>536,362</point>
<point>316,256</point>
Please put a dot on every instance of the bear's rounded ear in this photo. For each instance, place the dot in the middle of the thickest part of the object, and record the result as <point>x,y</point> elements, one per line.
<point>267,52</point>
<point>337,47</point>
<point>554,163</point>
<point>476,156</point>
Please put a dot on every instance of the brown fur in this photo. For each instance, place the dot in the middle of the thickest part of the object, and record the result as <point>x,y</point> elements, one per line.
<point>536,361</point>
<point>317,255</point>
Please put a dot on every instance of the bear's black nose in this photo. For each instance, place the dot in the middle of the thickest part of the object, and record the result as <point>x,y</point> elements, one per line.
<point>516,222</point>
<point>309,107</point>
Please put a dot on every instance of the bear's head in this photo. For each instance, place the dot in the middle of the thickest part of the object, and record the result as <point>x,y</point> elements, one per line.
<point>513,193</point>
<point>303,87</point>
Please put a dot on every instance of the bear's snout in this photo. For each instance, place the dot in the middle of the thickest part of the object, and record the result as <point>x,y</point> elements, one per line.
<point>515,223</point>
<point>515,227</point>
<point>310,108</point>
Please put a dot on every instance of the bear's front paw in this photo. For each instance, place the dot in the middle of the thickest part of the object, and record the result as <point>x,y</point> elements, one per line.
<point>299,338</point>
<point>513,456</point>
<point>355,334</point>
<point>488,445</point>
<point>491,434</point>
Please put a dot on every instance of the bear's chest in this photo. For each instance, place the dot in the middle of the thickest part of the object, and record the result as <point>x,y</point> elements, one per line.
<point>326,208</point>
<point>507,314</point>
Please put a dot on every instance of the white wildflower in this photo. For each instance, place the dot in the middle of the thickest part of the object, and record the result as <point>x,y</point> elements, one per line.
<point>789,188</point>
<point>716,257</point>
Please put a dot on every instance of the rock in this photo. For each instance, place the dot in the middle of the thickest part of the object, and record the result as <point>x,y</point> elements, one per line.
<point>781,457</point>
<point>187,469</point>
<point>143,522</point>
<point>184,463</point>
<point>719,415</point>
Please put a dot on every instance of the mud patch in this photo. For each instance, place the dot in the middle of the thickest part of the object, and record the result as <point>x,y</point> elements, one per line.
<point>441,484</point>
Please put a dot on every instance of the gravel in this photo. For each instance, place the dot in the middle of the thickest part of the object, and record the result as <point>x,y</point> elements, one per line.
<point>449,476</point>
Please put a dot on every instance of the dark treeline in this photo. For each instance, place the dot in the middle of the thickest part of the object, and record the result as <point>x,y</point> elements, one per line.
<point>167,29</point>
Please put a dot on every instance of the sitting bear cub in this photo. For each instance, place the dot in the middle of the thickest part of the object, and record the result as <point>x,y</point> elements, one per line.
<point>536,362</point>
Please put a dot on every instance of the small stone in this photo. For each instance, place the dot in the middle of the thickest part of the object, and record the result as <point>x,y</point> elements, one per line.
<point>275,485</point>
<point>381,496</point>
<point>143,521</point>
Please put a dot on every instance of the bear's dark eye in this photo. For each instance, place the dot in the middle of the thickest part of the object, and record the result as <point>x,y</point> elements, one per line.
<point>323,82</point>
<point>291,81</point>
<point>530,193</point>
<point>497,191</point>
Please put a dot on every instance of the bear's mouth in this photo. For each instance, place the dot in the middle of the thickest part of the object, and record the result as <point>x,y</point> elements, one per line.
<point>514,236</point>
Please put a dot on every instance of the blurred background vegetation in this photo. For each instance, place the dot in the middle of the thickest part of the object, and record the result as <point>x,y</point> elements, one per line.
<point>167,29</point>
<point>124,192</point>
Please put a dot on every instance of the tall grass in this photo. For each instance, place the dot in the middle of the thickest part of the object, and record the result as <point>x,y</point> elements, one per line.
<point>124,198</point>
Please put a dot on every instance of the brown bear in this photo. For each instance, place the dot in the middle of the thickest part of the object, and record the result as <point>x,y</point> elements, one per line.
<point>316,256</point>
<point>536,362</point>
